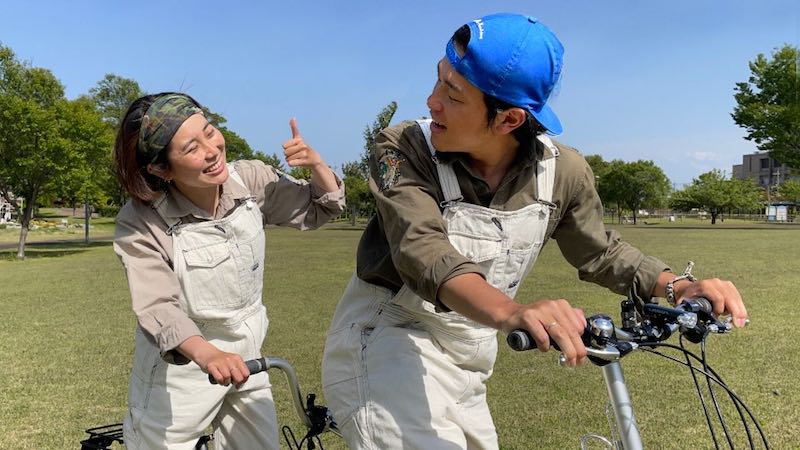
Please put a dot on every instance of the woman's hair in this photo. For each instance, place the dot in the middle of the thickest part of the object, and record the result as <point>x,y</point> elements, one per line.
<point>525,133</point>
<point>130,166</point>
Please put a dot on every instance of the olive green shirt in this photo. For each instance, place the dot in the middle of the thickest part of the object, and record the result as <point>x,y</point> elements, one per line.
<point>406,242</point>
<point>145,248</point>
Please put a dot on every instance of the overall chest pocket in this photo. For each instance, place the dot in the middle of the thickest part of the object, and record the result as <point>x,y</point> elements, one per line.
<point>485,251</point>
<point>211,280</point>
<point>481,250</point>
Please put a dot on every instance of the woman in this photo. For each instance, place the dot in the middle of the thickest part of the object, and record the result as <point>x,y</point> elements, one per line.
<point>192,243</point>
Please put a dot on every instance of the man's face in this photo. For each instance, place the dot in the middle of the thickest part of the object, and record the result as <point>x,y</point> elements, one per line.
<point>458,112</point>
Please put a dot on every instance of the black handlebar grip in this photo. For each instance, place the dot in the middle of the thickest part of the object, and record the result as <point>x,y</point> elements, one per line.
<point>254,366</point>
<point>696,304</point>
<point>520,340</point>
<point>705,305</point>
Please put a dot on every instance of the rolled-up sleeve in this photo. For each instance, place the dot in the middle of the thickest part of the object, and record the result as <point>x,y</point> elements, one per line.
<point>286,201</point>
<point>406,194</point>
<point>599,254</point>
<point>153,285</point>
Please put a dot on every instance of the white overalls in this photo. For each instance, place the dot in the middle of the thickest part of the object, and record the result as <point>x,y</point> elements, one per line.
<point>220,265</point>
<point>399,375</point>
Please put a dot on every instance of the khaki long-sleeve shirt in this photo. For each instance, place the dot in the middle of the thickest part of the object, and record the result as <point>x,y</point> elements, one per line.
<point>145,249</point>
<point>406,243</point>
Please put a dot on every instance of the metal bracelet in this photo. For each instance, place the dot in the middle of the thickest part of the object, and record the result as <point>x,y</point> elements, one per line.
<point>670,287</point>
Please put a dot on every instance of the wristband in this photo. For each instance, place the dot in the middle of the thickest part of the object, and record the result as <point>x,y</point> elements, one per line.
<point>670,287</point>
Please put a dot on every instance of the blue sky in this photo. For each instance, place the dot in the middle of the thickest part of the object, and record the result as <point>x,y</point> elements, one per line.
<point>642,80</point>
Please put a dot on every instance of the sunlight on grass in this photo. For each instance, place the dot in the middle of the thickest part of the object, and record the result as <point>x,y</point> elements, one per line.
<point>67,340</point>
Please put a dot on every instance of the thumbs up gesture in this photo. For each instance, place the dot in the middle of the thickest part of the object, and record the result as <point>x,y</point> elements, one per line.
<point>297,152</point>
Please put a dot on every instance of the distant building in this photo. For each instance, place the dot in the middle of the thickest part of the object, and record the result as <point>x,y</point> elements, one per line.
<point>763,169</point>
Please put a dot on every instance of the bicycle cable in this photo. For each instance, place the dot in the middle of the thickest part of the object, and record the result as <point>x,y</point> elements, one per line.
<point>711,375</point>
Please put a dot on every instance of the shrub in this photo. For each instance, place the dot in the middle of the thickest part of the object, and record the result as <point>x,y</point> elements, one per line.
<point>107,210</point>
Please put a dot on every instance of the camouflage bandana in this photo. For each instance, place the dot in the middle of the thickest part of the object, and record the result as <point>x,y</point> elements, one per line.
<point>160,122</point>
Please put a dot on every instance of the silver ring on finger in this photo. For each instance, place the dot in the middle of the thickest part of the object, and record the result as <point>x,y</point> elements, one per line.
<point>551,325</point>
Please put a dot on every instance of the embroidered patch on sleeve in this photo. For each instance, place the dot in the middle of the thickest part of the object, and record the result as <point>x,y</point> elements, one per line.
<point>389,169</point>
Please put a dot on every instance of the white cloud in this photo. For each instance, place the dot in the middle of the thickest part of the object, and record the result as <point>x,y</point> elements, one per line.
<point>704,156</point>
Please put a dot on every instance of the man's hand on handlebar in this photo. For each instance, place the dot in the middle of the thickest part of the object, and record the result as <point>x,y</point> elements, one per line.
<point>545,320</point>
<point>722,294</point>
<point>552,321</point>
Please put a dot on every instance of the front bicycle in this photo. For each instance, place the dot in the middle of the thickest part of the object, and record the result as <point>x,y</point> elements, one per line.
<point>646,330</point>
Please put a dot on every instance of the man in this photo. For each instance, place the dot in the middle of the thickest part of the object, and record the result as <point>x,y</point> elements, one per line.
<point>465,203</point>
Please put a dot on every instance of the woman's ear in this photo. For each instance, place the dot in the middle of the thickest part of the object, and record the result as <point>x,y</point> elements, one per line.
<point>509,120</point>
<point>159,171</point>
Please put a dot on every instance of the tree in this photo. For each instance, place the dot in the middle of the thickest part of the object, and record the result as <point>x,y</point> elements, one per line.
<point>87,140</point>
<point>30,148</point>
<point>635,185</point>
<point>599,168</point>
<point>357,193</point>
<point>45,140</point>
<point>356,173</point>
<point>714,194</point>
<point>273,160</point>
<point>789,191</point>
<point>610,187</point>
<point>300,173</point>
<point>113,95</point>
<point>768,105</point>
<point>597,164</point>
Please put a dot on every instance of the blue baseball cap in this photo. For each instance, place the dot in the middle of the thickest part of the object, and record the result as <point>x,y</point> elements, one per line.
<point>516,59</point>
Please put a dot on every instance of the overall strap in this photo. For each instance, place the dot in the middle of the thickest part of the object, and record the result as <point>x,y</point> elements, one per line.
<point>250,201</point>
<point>447,177</point>
<point>546,173</point>
<point>235,176</point>
<point>160,205</point>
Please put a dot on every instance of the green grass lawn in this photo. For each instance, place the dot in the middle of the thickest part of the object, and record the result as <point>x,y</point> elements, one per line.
<point>67,340</point>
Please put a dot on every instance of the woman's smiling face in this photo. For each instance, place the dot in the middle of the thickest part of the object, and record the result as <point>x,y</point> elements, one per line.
<point>196,155</point>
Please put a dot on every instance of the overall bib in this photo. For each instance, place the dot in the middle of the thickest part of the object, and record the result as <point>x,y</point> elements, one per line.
<point>220,265</point>
<point>397,373</point>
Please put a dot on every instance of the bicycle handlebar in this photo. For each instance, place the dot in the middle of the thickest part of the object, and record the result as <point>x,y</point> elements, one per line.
<point>316,418</point>
<point>604,342</point>
<point>253,366</point>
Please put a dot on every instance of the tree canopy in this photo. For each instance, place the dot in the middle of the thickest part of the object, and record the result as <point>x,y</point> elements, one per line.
<point>713,193</point>
<point>47,142</point>
<point>768,105</point>
<point>356,173</point>
<point>789,191</point>
<point>630,185</point>
<point>113,95</point>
